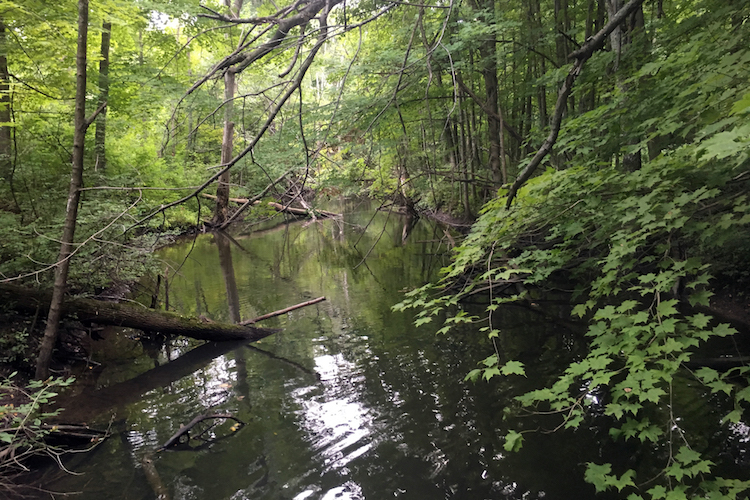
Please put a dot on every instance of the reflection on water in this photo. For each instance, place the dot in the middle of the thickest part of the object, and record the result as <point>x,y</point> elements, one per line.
<point>349,400</point>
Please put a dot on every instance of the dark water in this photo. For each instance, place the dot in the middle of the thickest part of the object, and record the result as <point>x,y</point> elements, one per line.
<point>348,401</point>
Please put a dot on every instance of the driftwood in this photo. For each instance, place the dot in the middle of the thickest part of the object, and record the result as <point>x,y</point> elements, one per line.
<point>72,434</point>
<point>282,311</point>
<point>111,313</point>
<point>184,431</point>
<point>153,478</point>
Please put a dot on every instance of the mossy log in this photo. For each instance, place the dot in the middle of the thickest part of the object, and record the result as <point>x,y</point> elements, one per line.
<point>132,316</point>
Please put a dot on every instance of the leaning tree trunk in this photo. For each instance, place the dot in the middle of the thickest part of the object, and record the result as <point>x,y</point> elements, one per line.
<point>74,195</point>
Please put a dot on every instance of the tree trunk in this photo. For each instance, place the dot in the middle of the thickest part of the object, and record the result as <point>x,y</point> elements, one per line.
<point>227,144</point>
<point>140,317</point>
<point>101,121</point>
<point>74,195</point>
<point>6,170</point>
<point>221,211</point>
<point>487,51</point>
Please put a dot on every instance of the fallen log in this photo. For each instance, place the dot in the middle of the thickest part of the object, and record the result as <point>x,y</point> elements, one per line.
<point>301,211</point>
<point>72,435</point>
<point>153,478</point>
<point>140,317</point>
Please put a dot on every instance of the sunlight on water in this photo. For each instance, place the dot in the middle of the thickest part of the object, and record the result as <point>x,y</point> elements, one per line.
<point>339,427</point>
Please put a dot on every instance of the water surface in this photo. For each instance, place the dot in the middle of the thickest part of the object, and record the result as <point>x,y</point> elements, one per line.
<point>349,400</point>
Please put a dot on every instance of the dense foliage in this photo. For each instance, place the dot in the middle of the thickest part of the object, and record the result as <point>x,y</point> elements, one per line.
<point>635,242</point>
<point>23,432</point>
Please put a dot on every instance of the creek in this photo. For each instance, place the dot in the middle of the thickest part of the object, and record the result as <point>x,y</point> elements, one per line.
<point>349,400</point>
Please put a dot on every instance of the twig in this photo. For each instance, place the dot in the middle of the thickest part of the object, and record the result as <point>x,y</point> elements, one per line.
<point>282,311</point>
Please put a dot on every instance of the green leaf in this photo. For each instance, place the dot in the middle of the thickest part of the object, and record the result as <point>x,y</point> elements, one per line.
<point>473,375</point>
<point>513,441</point>
<point>723,330</point>
<point>422,321</point>
<point>614,409</point>
<point>490,372</point>
<point>651,433</point>
<point>580,310</point>
<point>742,106</point>
<point>699,320</point>
<point>733,416</point>
<point>700,298</point>
<point>490,360</point>
<point>657,492</point>
<point>687,456</point>
<point>513,368</point>
<point>743,394</point>
<point>667,308</point>
<point>625,480</point>
<point>597,475</point>
<point>706,374</point>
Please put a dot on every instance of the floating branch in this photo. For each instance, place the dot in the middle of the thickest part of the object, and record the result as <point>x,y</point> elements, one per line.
<point>184,431</point>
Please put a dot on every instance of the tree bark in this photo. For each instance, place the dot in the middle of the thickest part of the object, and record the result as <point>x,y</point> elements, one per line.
<point>488,64</point>
<point>142,318</point>
<point>301,211</point>
<point>227,145</point>
<point>101,121</point>
<point>74,196</point>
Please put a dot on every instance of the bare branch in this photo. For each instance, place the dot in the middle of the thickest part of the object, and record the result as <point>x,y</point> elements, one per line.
<point>93,116</point>
<point>300,42</point>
